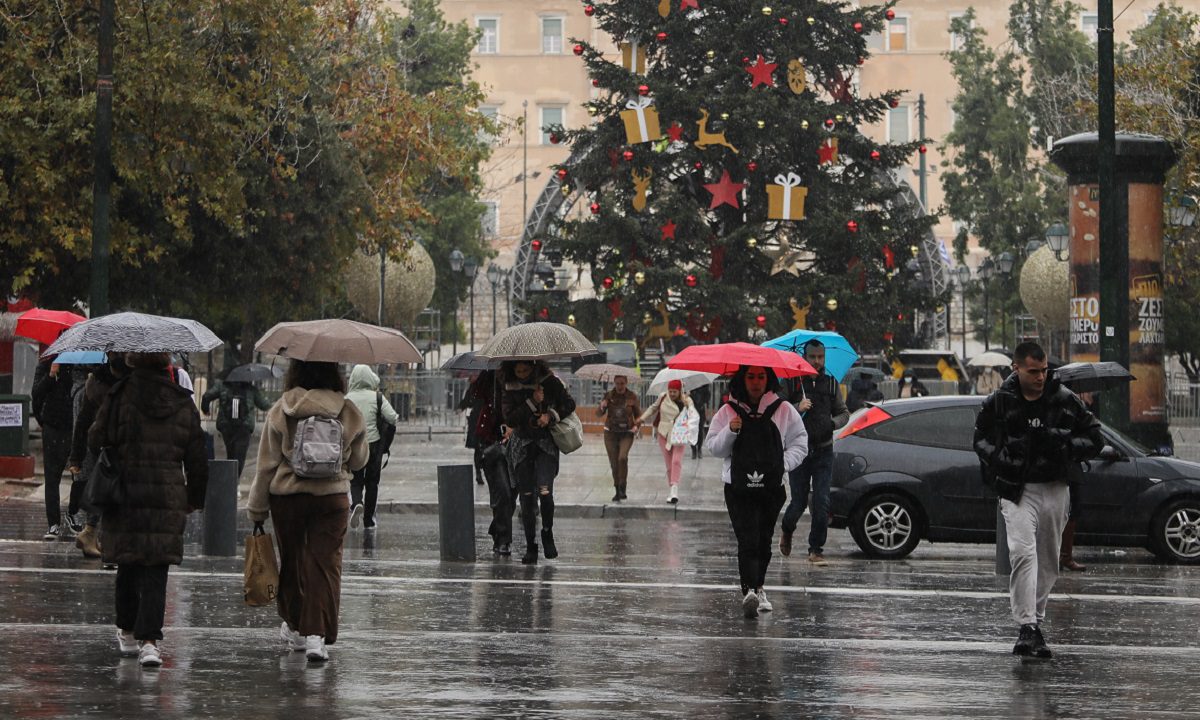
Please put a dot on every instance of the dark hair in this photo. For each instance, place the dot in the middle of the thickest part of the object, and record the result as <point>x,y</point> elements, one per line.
<point>737,384</point>
<point>314,376</point>
<point>813,343</point>
<point>148,360</point>
<point>117,365</point>
<point>1028,350</point>
<point>507,369</point>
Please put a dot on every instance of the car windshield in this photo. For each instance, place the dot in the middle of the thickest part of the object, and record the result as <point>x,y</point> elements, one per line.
<point>1129,442</point>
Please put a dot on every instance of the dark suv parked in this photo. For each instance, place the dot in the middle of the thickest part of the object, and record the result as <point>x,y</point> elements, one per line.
<point>904,470</point>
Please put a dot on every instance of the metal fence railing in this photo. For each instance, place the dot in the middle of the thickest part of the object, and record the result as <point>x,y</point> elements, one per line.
<point>1183,400</point>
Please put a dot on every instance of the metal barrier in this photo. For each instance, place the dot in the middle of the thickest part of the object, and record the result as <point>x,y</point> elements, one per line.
<point>1183,401</point>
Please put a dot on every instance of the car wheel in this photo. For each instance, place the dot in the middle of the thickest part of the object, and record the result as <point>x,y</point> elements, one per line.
<point>1175,532</point>
<point>886,526</point>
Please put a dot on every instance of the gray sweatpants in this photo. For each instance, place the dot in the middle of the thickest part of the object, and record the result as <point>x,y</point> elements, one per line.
<point>1035,527</point>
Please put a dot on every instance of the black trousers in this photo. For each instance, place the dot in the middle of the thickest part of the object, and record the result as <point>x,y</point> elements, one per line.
<point>753,514</point>
<point>364,486</point>
<point>56,445</point>
<point>502,499</point>
<point>237,444</point>
<point>142,599</point>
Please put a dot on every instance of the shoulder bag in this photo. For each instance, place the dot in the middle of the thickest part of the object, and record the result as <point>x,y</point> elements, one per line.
<point>568,434</point>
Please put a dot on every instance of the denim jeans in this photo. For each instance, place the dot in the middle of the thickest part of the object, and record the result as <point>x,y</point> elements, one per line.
<point>814,474</point>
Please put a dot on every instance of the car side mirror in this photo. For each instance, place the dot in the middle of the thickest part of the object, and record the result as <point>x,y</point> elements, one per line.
<point>1110,454</point>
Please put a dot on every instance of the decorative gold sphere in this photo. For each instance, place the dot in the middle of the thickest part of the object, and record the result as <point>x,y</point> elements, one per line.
<point>724,116</point>
<point>1046,289</point>
<point>571,320</point>
<point>762,124</point>
<point>811,20</point>
<point>646,319</point>
<point>639,277</point>
<point>566,189</point>
<point>766,10</point>
<point>831,304</point>
<point>840,118</point>
<point>592,109</point>
<point>914,250</point>
<point>803,124</point>
<point>711,54</point>
<point>752,243</point>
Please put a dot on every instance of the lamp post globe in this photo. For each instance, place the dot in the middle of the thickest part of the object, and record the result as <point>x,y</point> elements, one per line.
<point>1004,263</point>
<point>456,260</point>
<point>1058,238</point>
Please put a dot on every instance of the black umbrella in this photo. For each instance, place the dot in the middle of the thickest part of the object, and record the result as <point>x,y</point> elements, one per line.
<point>467,362</point>
<point>1084,377</point>
<point>253,372</point>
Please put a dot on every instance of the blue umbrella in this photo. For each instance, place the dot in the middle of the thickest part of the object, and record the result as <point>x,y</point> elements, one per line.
<point>81,357</point>
<point>839,356</point>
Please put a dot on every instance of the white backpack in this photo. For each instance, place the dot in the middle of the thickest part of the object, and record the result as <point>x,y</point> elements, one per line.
<point>317,448</point>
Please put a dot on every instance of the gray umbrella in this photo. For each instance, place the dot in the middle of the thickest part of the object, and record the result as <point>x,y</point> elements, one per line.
<point>253,372</point>
<point>537,341</point>
<point>466,362</point>
<point>135,332</point>
<point>337,340</point>
<point>1084,377</point>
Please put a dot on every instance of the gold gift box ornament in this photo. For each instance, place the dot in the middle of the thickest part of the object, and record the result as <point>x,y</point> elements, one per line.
<point>633,57</point>
<point>785,199</point>
<point>641,121</point>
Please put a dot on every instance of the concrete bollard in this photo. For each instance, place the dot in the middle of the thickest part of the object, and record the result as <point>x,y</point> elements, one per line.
<point>1003,564</point>
<point>220,509</point>
<point>456,512</point>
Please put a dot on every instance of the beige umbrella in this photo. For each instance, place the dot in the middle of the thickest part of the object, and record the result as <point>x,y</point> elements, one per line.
<point>606,372</point>
<point>337,340</point>
<point>537,341</point>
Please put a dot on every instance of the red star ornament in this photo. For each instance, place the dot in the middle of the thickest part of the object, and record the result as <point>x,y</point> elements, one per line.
<point>668,230</point>
<point>685,4</point>
<point>828,152</point>
<point>760,72</point>
<point>724,191</point>
<point>675,132</point>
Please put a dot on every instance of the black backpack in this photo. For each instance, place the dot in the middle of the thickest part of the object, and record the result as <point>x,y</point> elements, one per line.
<point>757,462</point>
<point>387,430</point>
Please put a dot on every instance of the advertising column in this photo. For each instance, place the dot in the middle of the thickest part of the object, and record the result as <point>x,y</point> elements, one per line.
<point>1085,272</point>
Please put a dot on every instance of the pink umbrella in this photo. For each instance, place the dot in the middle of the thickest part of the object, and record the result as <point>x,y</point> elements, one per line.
<point>726,358</point>
<point>45,325</point>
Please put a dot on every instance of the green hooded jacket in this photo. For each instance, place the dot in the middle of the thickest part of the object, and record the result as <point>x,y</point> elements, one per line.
<point>364,387</point>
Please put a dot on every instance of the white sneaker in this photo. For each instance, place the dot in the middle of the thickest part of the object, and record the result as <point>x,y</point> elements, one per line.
<point>314,648</point>
<point>126,643</point>
<point>356,515</point>
<point>149,656</point>
<point>750,604</point>
<point>674,498</point>
<point>293,639</point>
<point>764,605</point>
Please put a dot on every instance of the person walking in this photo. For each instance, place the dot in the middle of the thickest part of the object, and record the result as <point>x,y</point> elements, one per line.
<point>309,513</point>
<point>81,461</point>
<point>620,409</point>
<point>533,400</point>
<point>1027,435</point>
<point>488,439</point>
<point>154,428</point>
<point>761,437</point>
<point>988,381</point>
<point>236,405</point>
<point>818,399</point>
<point>701,396</point>
<point>376,410</point>
<point>54,410</point>
<point>663,413</point>
<point>910,387</point>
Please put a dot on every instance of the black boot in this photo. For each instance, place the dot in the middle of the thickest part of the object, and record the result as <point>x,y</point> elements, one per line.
<point>1039,644</point>
<point>1026,641</point>
<point>548,547</point>
<point>529,524</point>
<point>617,493</point>
<point>621,490</point>
<point>531,554</point>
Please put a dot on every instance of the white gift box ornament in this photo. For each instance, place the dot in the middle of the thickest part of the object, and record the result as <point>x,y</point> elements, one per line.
<point>641,121</point>
<point>785,199</point>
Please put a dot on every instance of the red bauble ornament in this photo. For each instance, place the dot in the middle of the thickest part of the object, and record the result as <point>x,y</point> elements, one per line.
<point>643,89</point>
<point>628,155</point>
<point>829,123</point>
<point>561,174</point>
<point>595,82</point>
<point>607,282</point>
<point>890,14</point>
<point>888,336</point>
<point>761,321</point>
<point>690,280</point>
<point>544,313</point>
<point>752,166</point>
<point>578,50</point>
<point>830,325</point>
<point>555,139</point>
<point>852,226</point>
<point>858,27</point>
<point>783,21</point>
<point>699,165</point>
<point>875,155</point>
<point>661,37</point>
<point>900,317</point>
<point>746,61</point>
<point>595,208</point>
<point>894,102</point>
<point>590,10</point>
<point>922,149</point>
<point>862,61</point>
<point>536,245</point>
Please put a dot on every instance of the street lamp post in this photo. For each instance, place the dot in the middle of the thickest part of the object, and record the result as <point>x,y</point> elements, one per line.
<point>962,276</point>
<point>1004,267</point>
<point>1058,238</point>
<point>494,273</point>
<point>471,270</point>
<point>986,269</point>
<point>456,264</point>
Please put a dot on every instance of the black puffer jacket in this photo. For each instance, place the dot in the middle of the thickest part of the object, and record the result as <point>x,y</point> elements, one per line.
<point>156,430</point>
<point>52,402</point>
<point>1016,454</point>
<point>520,412</point>
<point>828,411</point>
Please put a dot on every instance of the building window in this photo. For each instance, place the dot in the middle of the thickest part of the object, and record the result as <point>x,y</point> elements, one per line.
<point>489,222</point>
<point>551,116</point>
<point>491,112</point>
<point>956,40</point>
<point>897,124</point>
<point>1089,23</point>
<point>552,35</point>
<point>897,35</point>
<point>489,36</point>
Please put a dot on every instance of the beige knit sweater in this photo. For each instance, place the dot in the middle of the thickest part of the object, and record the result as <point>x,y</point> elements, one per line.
<point>275,475</point>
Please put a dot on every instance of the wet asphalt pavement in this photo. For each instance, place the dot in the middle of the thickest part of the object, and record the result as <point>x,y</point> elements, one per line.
<point>636,619</point>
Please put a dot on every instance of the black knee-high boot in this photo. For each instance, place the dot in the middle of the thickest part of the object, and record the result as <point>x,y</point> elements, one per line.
<point>548,546</point>
<point>529,523</point>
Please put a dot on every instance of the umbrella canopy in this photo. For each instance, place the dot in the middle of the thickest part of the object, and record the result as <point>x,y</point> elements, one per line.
<point>136,332</point>
<point>81,357</point>
<point>839,354</point>
<point>45,325</point>
<point>990,358</point>
<point>338,340</point>
<point>726,358</point>
<point>1083,377</point>
<point>466,362</point>
<point>691,379</point>
<point>871,373</point>
<point>607,372</point>
<point>537,341</point>
<point>253,372</point>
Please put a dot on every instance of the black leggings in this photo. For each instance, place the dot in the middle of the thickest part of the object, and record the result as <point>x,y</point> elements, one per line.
<point>753,514</point>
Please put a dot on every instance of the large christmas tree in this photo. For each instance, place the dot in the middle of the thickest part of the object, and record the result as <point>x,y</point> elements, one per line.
<point>726,182</point>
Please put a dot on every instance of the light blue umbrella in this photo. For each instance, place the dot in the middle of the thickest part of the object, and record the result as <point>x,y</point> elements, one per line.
<point>81,357</point>
<point>839,355</point>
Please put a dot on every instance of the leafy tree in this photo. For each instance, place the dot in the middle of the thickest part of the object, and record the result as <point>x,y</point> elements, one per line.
<point>710,263</point>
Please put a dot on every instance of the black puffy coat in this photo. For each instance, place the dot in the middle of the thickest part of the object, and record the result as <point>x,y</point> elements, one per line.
<point>828,411</point>
<point>51,396</point>
<point>520,412</point>
<point>155,428</point>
